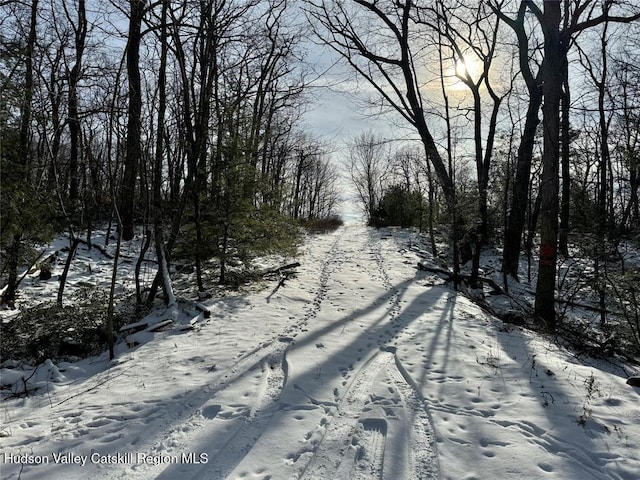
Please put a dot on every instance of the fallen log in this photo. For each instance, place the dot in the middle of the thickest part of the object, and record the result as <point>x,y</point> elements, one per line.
<point>284,275</point>
<point>281,269</point>
<point>450,276</point>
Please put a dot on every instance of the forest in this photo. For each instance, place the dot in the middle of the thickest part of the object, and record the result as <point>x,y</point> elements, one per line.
<point>514,127</point>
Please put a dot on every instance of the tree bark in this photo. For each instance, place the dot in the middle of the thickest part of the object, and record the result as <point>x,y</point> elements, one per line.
<point>134,151</point>
<point>565,204</point>
<point>74,119</point>
<point>13,253</point>
<point>520,198</point>
<point>63,278</point>
<point>552,68</point>
<point>25,120</point>
<point>158,229</point>
<point>112,290</point>
<point>521,191</point>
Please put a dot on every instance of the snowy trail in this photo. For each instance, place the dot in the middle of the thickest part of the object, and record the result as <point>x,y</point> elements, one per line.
<point>336,368</point>
<point>226,430</point>
<point>379,406</point>
<point>349,365</point>
<point>361,367</point>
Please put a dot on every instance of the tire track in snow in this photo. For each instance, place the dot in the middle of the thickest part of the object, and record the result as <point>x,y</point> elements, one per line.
<point>171,434</point>
<point>354,442</point>
<point>369,461</point>
<point>394,296</point>
<point>325,462</point>
<point>255,356</point>
<point>365,460</point>
<point>361,442</point>
<point>328,266</point>
<point>421,444</point>
<point>423,459</point>
<point>247,435</point>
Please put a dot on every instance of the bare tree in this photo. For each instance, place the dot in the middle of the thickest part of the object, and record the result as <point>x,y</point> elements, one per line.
<point>533,82</point>
<point>471,33</point>
<point>416,177</point>
<point>628,139</point>
<point>158,229</point>
<point>556,47</point>
<point>379,40</point>
<point>552,68</point>
<point>80,35</point>
<point>605,218</point>
<point>369,168</point>
<point>322,193</point>
<point>134,152</point>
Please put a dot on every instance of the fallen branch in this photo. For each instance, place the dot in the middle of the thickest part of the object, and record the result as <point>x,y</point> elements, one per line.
<point>206,311</point>
<point>281,269</point>
<point>586,306</point>
<point>284,275</point>
<point>53,255</point>
<point>26,391</point>
<point>450,276</point>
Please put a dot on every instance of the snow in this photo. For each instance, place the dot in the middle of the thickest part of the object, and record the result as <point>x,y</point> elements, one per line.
<point>362,366</point>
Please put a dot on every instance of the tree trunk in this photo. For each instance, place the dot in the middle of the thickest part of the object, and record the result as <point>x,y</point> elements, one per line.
<point>199,239</point>
<point>143,252</point>
<point>134,152</point>
<point>520,198</point>
<point>563,244</point>
<point>552,67</point>
<point>158,231</point>
<point>430,211</point>
<point>25,119</point>
<point>74,119</point>
<point>481,228</point>
<point>13,254</point>
<point>163,267</point>
<point>296,191</point>
<point>223,253</point>
<point>605,221</point>
<point>63,278</point>
<point>631,215</point>
<point>112,291</point>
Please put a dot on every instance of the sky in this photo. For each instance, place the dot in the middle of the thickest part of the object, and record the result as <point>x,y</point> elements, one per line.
<point>340,107</point>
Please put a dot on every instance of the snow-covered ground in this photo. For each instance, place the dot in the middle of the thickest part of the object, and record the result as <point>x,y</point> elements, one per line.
<point>360,367</point>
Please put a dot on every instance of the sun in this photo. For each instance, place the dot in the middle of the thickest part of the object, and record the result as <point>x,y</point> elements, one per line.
<point>461,69</point>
